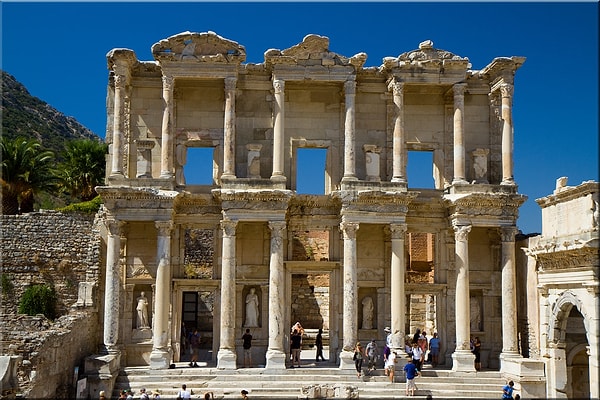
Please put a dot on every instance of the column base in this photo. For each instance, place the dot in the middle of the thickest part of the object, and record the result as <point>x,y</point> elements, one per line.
<point>226,359</point>
<point>346,361</point>
<point>160,359</point>
<point>463,361</point>
<point>275,359</point>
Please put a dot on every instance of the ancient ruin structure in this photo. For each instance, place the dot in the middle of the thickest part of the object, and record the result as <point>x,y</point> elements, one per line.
<point>565,332</point>
<point>439,258</point>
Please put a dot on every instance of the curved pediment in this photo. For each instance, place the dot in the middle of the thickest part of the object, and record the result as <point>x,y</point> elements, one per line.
<point>199,47</point>
<point>313,50</point>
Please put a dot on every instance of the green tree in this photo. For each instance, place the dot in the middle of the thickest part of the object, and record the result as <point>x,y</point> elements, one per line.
<point>39,299</point>
<point>27,169</point>
<point>83,168</point>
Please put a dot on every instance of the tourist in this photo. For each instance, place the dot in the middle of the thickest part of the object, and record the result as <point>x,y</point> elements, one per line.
<point>247,345</point>
<point>209,396</point>
<point>319,345</point>
<point>244,395</point>
<point>388,343</point>
<point>423,341</point>
<point>296,346</point>
<point>411,371</point>
<point>372,354</point>
<point>477,352</point>
<point>184,393</point>
<point>143,394</point>
<point>123,394</point>
<point>390,365</point>
<point>102,395</point>
<point>195,344</point>
<point>358,358</point>
<point>416,336</point>
<point>417,355</point>
<point>434,349</point>
<point>129,394</point>
<point>156,394</point>
<point>408,348</point>
<point>507,391</point>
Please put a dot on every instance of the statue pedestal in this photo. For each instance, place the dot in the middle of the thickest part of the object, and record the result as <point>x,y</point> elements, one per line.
<point>142,334</point>
<point>463,361</point>
<point>275,359</point>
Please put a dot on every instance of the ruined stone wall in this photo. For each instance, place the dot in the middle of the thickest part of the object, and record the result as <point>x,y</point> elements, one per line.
<point>60,250</point>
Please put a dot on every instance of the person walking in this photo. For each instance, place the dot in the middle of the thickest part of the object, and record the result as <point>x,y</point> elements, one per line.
<point>247,345</point>
<point>184,394</point>
<point>319,345</point>
<point>195,344</point>
<point>296,346</point>
<point>372,354</point>
<point>143,394</point>
<point>411,371</point>
<point>477,352</point>
<point>390,365</point>
<point>358,358</point>
<point>434,349</point>
<point>507,391</point>
<point>417,355</point>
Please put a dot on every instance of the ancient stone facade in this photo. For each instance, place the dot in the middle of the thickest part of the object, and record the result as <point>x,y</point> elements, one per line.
<point>565,290</point>
<point>448,251</point>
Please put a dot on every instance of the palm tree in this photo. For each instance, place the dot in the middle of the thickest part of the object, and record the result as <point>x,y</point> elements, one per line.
<point>83,168</point>
<point>26,171</point>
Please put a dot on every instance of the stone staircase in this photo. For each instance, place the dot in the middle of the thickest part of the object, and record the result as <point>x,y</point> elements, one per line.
<point>288,384</point>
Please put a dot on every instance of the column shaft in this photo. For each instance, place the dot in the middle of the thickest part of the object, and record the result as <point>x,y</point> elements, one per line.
<point>398,294</point>
<point>160,358</point>
<point>349,329</point>
<point>226,357</point>
<point>459,134</point>
<point>349,145</point>
<point>112,288</point>
<point>507,135</point>
<point>117,137</point>
<point>278,129</point>
<point>229,139</point>
<point>399,152</point>
<point>276,354</point>
<point>509,293</point>
<point>166,153</point>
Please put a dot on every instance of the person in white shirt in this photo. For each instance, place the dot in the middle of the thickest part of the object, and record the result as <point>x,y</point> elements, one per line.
<point>417,355</point>
<point>184,393</point>
<point>390,365</point>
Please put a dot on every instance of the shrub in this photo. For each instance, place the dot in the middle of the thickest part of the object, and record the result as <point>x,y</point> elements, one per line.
<point>39,299</point>
<point>7,285</point>
<point>88,207</point>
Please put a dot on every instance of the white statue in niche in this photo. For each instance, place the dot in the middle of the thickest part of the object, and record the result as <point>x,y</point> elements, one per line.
<point>368,309</point>
<point>252,309</point>
<point>142,311</point>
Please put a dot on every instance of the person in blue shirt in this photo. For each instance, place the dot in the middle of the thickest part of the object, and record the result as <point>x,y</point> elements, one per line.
<point>434,349</point>
<point>507,391</point>
<point>411,371</point>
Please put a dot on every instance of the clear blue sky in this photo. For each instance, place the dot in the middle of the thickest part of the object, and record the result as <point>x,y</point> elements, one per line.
<point>58,51</point>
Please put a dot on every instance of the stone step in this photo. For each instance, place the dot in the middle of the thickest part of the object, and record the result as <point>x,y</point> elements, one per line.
<point>288,383</point>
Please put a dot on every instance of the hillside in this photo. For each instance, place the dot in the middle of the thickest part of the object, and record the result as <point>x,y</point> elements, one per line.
<point>28,116</point>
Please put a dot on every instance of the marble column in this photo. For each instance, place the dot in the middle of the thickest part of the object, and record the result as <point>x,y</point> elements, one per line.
<point>112,286</point>
<point>229,140</point>
<point>506,91</point>
<point>510,345</point>
<point>459,134</point>
<point>160,357</point>
<point>350,288</point>
<point>462,358</point>
<point>276,352</point>
<point>278,131</point>
<point>399,151</point>
<point>226,357</point>
<point>117,137</point>
<point>166,151</point>
<point>398,293</point>
<point>349,127</point>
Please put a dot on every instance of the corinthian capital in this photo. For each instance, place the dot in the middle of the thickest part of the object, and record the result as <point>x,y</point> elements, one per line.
<point>506,89</point>
<point>164,227</point>
<point>349,229</point>
<point>397,231</point>
<point>508,233</point>
<point>228,226</point>
<point>279,86</point>
<point>461,232</point>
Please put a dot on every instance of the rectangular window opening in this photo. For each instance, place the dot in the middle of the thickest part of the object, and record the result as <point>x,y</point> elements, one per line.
<point>311,170</point>
<point>419,170</point>
<point>198,169</point>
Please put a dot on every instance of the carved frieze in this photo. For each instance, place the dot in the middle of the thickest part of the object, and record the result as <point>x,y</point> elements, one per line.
<point>485,204</point>
<point>199,47</point>
<point>253,199</point>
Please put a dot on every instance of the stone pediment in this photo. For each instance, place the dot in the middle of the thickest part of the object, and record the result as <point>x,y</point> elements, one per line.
<point>427,56</point>
<point>313,50</point>
<point>199,47</point>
